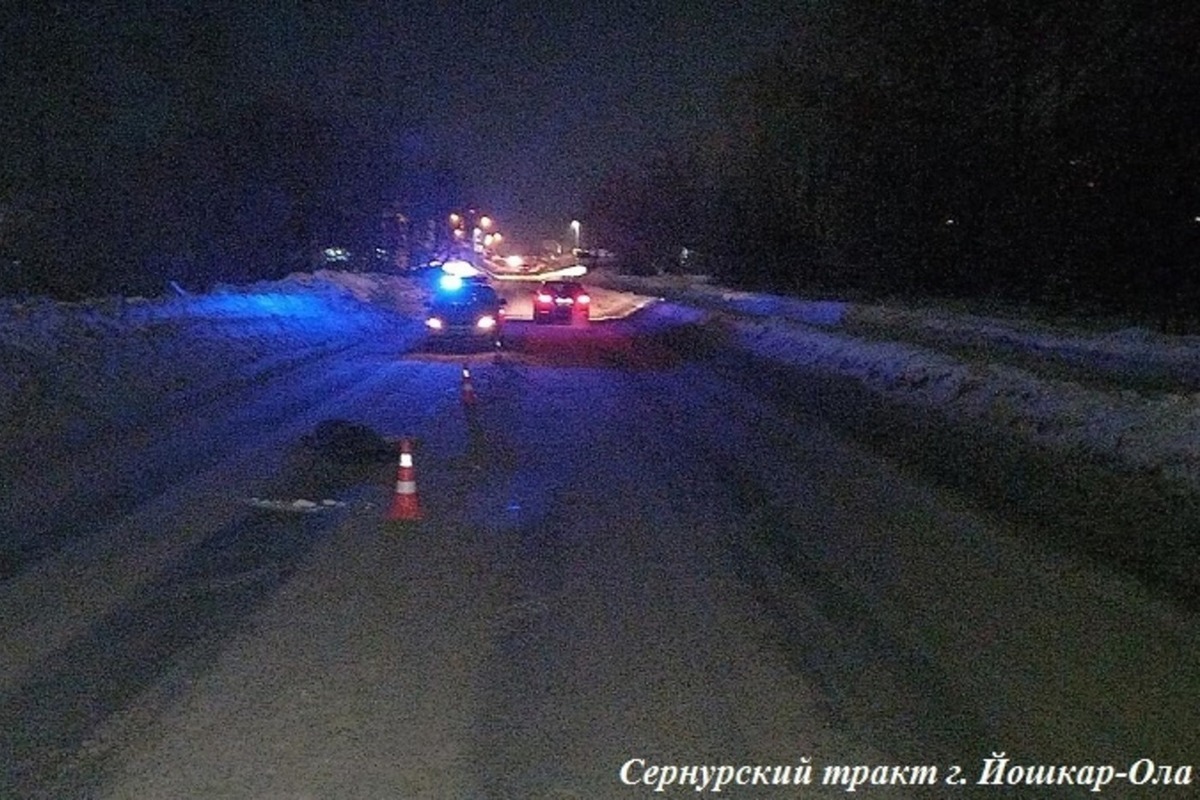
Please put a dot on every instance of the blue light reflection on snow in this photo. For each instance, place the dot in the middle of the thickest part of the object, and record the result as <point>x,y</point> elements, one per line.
<point>304,314</point>
<point>273,304</point>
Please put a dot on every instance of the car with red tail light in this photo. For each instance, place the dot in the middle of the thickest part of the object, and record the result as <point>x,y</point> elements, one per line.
<point>564,302</point>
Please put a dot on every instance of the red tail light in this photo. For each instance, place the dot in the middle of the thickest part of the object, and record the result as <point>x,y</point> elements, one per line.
<point>544,298</point>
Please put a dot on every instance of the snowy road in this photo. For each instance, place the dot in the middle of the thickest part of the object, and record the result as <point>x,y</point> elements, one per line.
<point>640,544</point>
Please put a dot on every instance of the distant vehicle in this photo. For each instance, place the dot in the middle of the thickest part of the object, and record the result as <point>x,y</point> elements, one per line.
<point>470,313</point>
<point>561,301</point>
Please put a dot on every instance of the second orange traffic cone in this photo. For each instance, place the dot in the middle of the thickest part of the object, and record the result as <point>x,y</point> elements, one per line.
<point>468,388</point>
<point>406,506</point>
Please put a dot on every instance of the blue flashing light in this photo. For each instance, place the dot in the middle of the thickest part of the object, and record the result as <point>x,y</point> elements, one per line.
<point>450,283</point>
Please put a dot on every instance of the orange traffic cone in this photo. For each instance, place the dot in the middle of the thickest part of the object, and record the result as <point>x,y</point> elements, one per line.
<point>405,505</point>
<point>468,388</point>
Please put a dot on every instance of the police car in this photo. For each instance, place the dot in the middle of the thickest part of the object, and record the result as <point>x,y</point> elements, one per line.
<point>465,310</point>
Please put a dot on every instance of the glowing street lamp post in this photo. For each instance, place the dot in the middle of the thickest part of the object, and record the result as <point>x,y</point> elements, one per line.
<point>575,230</point>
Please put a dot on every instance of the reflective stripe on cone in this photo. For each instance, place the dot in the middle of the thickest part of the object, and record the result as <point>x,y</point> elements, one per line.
<point>468,388</point>
<point>406,506</point>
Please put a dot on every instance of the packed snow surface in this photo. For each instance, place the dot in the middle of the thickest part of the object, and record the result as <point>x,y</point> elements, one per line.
<point>1122,393</point>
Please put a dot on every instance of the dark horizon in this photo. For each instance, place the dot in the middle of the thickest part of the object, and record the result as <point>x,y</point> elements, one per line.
<point>529,103</point>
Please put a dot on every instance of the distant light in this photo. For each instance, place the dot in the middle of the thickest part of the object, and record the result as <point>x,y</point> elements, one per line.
<point>1197,219</point>
<point>433,323</point>
<point>336,254</point>
<point>951,221</point>
<point>450,283</point>
<point>460,268</point>
<point>517,261</point>
<point>485,222</point>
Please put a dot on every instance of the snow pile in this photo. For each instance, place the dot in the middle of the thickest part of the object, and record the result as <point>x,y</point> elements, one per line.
<point>1104,349</point>
<point>74,369</point>
<point>1159,434</point>
<point>402,294</point>
<point>1136,357</point>
<point>1127,395</point>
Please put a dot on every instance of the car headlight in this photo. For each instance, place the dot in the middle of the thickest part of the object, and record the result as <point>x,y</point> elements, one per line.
<point>434,323</point>
<point>486,322</point>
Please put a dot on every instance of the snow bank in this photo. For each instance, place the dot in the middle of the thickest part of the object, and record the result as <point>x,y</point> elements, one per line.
<point>72,369</point>
<point>916,355</point>
<point>1158,435</point>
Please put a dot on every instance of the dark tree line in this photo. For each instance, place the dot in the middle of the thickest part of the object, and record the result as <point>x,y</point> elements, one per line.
<point>1043,151</point>
<point>253,192</point>
<point>135,154</point>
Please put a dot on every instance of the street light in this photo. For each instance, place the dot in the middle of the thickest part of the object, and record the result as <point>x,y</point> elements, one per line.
<point>575,230</point>
<point>473,233</point>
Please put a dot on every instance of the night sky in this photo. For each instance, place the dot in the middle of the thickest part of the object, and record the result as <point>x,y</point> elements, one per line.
<point>531,102</point>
